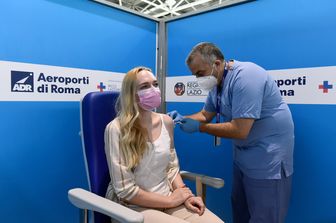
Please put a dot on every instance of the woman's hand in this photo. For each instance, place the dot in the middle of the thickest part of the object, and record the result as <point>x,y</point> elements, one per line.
<point>195,204</point>
<point>179,196</point>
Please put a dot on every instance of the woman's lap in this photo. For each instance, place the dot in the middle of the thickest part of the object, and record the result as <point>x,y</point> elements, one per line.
<point>179,214</point>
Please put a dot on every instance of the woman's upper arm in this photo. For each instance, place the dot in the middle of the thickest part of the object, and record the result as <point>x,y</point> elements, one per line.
<point>173,168</point>
<point>169,123</point>
<point>122,178</point>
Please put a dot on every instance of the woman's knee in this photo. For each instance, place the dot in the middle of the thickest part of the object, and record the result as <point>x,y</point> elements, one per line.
<point>155,216</point>
<point>207,216</point>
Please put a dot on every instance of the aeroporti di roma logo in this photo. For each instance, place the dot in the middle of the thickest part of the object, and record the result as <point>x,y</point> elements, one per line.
<point>22,81</point>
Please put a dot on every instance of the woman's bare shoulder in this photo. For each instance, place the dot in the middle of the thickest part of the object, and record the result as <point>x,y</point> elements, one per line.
<point>168,121</point>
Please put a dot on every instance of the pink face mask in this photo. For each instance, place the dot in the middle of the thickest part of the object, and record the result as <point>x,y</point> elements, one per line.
<point>149,98</point>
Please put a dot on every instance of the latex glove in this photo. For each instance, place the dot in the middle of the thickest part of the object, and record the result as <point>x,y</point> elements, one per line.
<point>190,125</point>
<point>177,118</point>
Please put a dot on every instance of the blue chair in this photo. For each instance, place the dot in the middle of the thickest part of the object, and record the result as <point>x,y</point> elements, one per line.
<point>97,110</point>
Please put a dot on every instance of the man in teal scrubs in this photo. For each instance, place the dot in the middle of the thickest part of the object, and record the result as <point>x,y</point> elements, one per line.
<point>258,120</point>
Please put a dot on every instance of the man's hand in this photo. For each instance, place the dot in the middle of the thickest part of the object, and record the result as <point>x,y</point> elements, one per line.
<point>195,204</point>
<point>177,118</point>
<point>190,125</point>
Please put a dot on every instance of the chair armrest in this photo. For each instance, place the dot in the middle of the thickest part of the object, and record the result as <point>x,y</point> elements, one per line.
<point>201,180</point>
<point>87,200</point>
<point>210,181</point>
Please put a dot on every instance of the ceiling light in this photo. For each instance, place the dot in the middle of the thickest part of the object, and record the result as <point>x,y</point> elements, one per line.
<point>170,3</point>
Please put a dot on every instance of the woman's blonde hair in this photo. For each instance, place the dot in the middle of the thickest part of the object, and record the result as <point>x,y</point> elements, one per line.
<point>133,137</point>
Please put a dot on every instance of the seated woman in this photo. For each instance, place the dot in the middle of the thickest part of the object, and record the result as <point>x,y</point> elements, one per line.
<point>144,169</point>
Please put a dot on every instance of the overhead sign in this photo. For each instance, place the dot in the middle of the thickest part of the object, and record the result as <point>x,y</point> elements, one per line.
<point>314,85</point>
<point>35,82</point>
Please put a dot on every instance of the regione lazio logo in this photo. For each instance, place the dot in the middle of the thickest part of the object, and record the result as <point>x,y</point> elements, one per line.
<point>22,81</point>
<point>179,88</point>
<point>325,86</point>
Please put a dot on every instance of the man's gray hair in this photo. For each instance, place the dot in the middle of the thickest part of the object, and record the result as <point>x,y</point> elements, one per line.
<point>208,51</point>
